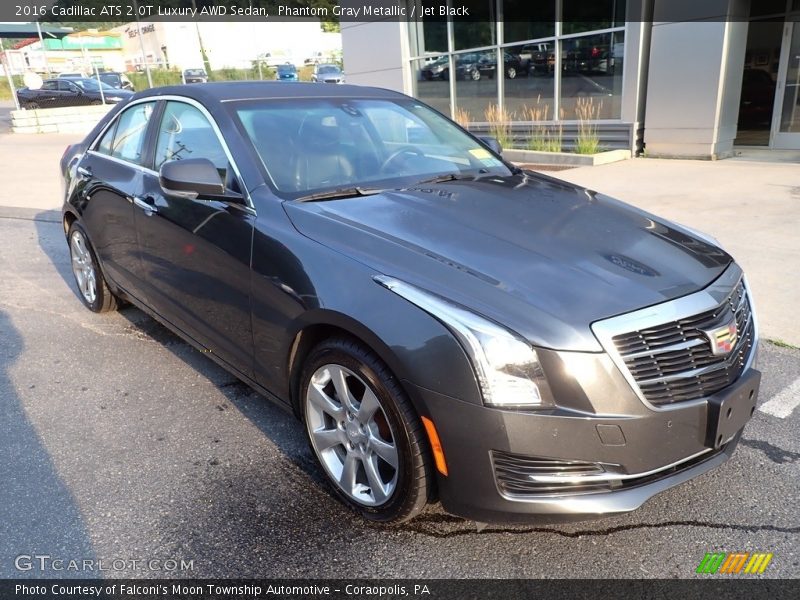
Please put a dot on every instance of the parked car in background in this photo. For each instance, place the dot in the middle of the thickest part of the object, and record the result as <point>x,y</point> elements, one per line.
<point>286,72</point>
<point>70,92</point>
<point>327,73</point>
<point>116,80</point>
<point>474,66</point>
<point>195,76</point>
<point>444,324</point>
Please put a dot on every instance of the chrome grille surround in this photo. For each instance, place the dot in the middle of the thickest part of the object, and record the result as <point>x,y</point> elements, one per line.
<point>663,352</point>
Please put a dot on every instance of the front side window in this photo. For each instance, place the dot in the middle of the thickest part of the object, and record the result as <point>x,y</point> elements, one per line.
<point>185,132</point>
<point>321,144</point>
<point>125,138</point>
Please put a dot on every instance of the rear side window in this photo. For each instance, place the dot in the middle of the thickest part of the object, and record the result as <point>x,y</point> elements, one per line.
<point>185,132</point>
<point>125,139</point>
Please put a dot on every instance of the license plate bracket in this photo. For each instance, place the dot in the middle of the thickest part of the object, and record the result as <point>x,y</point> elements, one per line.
<point>731,409</point>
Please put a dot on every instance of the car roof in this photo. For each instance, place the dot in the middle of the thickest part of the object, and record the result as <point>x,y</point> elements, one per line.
<point>226,91</point>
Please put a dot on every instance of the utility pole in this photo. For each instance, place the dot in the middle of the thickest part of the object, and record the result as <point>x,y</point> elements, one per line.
<point>44,50</point>
<point>7,68</point>
<point>203,56</point>
<point>141,44</point>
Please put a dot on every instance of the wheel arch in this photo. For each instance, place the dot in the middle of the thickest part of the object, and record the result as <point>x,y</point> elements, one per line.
<point>67,220</point>
<point>320,325</point>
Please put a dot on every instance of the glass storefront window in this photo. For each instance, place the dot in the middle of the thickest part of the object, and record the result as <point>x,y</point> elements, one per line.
<point>432,85</point>
<point>591,68</point>
<point>527,20</point>
<point>529,95</point>
<point>476,84</point>
<point>538,56</point>
<point>427,37</point>
<point>479,32</point>
<point>590,15</point>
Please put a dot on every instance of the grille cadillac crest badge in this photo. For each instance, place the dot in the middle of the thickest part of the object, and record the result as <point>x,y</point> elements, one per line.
<point>723,338</point>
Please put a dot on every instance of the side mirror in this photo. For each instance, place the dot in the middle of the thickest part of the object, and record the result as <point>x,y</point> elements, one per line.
<point>491,143</point>
<point>190,178</point>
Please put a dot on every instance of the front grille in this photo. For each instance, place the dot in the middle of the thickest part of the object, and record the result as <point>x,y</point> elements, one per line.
<point>674,362</point>
<point>516,475</point>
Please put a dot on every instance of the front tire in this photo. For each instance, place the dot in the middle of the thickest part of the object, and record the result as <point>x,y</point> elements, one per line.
<point>92,288</point>
<point>364,432</point>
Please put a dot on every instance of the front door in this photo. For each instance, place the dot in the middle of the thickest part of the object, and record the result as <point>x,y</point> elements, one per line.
<point>786,115</point>
<point>196,252</point>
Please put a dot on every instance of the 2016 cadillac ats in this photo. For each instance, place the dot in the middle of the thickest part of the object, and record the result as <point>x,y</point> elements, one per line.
<point>444,324</point>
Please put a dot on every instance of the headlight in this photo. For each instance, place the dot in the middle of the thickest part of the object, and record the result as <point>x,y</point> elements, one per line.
<point>507,368</point>
<point>113,98</point>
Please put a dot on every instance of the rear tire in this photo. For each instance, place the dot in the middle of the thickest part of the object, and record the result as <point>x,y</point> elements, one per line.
<point>358,423</point>
<point>92,288</point>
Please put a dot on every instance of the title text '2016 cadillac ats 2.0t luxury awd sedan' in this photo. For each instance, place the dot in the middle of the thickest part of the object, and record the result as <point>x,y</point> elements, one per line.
<point>444,324</point>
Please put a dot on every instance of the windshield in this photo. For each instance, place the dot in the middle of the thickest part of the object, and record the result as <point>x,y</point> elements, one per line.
<point>286,69</point>
<point>328,69</point>
<point>318,144</point>
<point>91,85</point>
<point>194,73</point>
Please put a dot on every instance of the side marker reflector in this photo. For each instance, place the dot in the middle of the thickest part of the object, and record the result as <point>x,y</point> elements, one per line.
<point>436,446</point>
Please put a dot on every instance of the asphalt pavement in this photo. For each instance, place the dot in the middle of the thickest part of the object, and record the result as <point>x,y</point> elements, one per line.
<point>121,442</point>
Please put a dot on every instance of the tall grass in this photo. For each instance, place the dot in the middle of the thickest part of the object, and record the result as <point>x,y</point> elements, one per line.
<point>462,117</point>
<point>173,76</point>
<point>499,120</point>
<point>5,91</point>
<point>543,136</point>
<point>587,112</point>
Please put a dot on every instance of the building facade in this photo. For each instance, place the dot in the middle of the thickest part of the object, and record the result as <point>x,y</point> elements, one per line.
<point>234,45</point>
<point>81,51</point>
<point>690,81</point>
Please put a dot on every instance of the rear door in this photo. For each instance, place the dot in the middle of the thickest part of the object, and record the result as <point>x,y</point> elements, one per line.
<point>196,252</point>
<point>110,176</point>
<point>70,94</point>
<point>47,96</point>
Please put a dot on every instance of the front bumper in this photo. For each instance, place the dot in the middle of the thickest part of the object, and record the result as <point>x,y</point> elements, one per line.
<point>640,454</point>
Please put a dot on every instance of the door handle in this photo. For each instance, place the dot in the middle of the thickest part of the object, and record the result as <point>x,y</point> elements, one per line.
<point>146,205</point>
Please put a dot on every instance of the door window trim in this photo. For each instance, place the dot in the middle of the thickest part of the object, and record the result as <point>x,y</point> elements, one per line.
<point>157,112</point>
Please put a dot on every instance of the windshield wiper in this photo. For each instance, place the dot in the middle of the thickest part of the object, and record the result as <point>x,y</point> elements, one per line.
<point>453,177</point>
<point>351,192</point>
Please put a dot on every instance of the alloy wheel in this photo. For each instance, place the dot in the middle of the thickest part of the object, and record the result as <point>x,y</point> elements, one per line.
<point>83,267</point>
<point>351,435</point>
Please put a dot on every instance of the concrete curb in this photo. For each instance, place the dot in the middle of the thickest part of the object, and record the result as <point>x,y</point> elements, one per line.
<point>67,119</point>
<point>565,158</point>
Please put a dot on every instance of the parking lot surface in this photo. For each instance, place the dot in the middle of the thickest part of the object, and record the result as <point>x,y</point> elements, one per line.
<point>122,442</point>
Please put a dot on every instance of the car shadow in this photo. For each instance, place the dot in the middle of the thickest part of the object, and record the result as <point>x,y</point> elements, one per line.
<point>40,516</point>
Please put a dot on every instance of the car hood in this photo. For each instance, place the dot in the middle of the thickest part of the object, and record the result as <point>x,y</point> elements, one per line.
<point>540,256</point>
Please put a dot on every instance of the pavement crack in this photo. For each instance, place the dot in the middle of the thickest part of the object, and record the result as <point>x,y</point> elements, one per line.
<point>776,454</point>
<point>427,526</point>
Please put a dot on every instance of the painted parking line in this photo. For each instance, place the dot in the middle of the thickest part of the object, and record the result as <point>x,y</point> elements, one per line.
<point>784,402</point>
